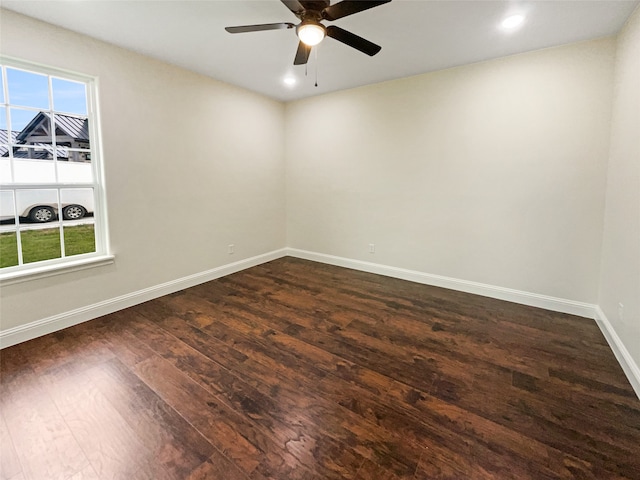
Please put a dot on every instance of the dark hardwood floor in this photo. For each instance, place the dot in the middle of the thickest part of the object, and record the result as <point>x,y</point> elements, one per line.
<point>298,370</point>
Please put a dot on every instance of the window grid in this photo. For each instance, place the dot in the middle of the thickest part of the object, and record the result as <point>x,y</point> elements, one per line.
<point>98,222</point>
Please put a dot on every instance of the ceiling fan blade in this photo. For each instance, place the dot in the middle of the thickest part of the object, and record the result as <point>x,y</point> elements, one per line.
<point>294,5</point>
<point>302,55</point>
<point>259,28</point>
<point>353,40</point>
<point>349,7</point>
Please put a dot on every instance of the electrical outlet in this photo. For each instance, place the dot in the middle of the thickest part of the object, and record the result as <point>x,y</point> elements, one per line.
<point>372,248</point>
<point>621,312</point>
<point>231,248</point>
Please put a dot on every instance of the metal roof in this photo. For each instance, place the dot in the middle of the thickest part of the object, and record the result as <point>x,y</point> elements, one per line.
<point>75,127</point>
<point>4,137</point>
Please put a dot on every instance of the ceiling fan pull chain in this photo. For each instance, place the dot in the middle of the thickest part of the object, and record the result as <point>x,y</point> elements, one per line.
<point>317,66</point>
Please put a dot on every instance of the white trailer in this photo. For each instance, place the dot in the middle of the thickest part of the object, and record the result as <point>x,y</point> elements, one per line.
<point>45,204</point>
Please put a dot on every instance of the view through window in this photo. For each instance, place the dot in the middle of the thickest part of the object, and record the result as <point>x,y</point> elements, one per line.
<point>49,177</point>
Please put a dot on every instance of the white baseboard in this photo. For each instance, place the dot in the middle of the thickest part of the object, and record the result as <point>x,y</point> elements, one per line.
<point>629,366</point>
<point>517,296</point>
<point>54,323</point>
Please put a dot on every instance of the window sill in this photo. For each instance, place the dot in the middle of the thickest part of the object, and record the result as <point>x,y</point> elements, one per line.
<point>51,270</point>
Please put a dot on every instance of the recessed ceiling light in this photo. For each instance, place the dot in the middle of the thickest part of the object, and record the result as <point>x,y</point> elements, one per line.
<point>290,81</point>
<point>512,22</point>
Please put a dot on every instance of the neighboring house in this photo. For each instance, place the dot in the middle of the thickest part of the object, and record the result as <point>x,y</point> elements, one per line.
<point>71,133</point>
<point>4,137</point>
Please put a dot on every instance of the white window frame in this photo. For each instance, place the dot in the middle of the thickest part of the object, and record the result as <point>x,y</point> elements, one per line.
<point>102,255</point>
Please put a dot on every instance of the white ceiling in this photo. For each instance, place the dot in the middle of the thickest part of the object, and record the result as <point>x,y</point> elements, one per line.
<point>416,36</point>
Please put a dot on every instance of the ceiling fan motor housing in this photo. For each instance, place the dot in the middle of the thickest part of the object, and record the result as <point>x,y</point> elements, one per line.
<point>315,6</point>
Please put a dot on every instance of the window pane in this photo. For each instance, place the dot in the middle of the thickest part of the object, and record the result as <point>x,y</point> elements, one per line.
<point>72,131</point>
<point>75,155</point>
<point>1,87</point>
<point>7,207</point>
<point>69,97</point>
<point>76,203</point>
<point>8,249</point>
<point>37,206</point>
<point>40,151</point>
<point>40,244</point>
<point>28,89</point>
<point>32,165</point>
<point>79,239</point>
<point>5,170</point>
<point>33,127</point>
<point>75,172</point>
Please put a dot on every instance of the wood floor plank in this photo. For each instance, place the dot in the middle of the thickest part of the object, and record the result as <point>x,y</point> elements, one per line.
<point>129,349</point>
<point>281,414</point>
<point>87,473</point>
<point>237,342</point>
<point>264,327</point>
<point>111,444</point>
<point>270,415</point>
<point>372,471</point>
<point>312,411</point>
<point>233,434</point>
<point>69,346</point>
<point>43,442</point>
<point>9,463</point>
<point>303,371</point>
<point>218,467</point>
<point>365,404</point>
<point>171,440</point>
<point>335,390</point>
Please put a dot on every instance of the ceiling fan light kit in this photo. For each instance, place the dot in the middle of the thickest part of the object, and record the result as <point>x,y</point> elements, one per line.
<point>311,31</point>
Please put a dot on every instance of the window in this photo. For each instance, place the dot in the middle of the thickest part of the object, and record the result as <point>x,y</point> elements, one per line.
<point>52,209</point>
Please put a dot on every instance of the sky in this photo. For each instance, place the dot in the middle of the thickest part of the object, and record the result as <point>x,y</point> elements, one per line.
<point>27,89</point>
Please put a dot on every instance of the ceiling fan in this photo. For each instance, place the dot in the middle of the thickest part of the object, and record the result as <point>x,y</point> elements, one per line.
<point>311,32</point>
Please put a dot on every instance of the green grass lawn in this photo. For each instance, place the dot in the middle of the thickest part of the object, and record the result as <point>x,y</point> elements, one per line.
<point>8,250</point>
<point>39,245</point>
<point>80,239</point>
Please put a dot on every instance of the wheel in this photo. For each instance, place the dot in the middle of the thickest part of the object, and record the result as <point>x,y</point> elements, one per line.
<point>42,214</point>
<point>73,212</point>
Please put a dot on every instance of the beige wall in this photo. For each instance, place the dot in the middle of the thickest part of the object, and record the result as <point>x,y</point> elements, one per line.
<point>192,165</point>
<point>493,172</point>
<point>621,249</point>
